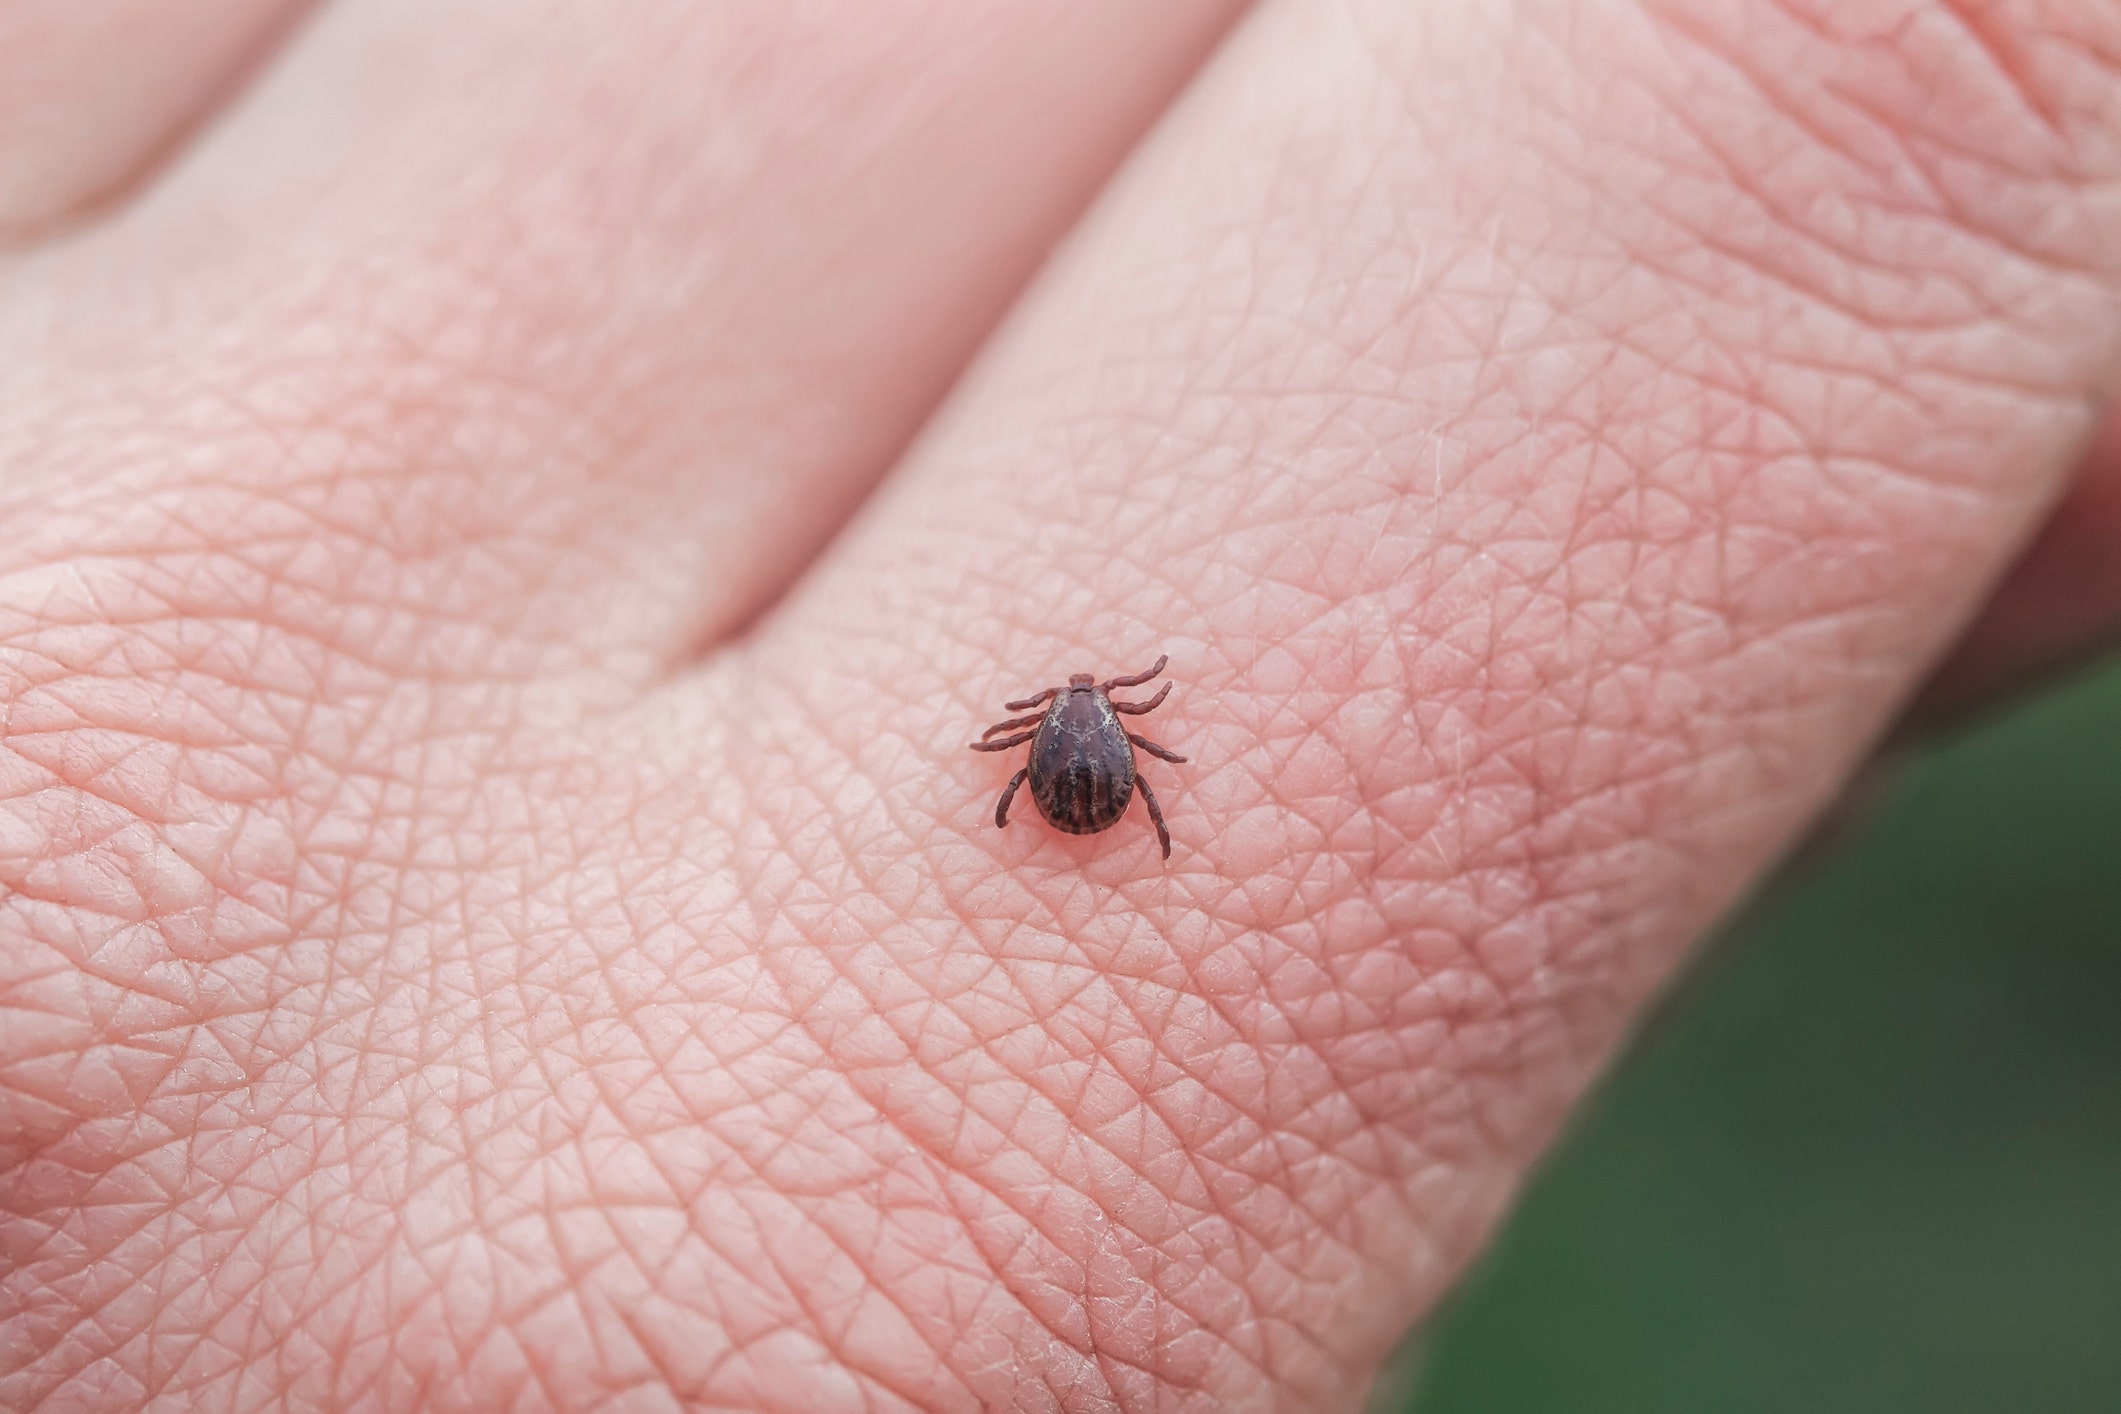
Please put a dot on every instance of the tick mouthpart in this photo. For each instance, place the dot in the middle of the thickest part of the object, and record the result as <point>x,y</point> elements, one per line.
<point>1081,682</point>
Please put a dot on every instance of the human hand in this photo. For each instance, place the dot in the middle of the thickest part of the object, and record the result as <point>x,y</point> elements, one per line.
<point>473,936</point>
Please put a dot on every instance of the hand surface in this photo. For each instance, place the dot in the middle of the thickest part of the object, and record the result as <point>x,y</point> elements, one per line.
<point>496,910</point>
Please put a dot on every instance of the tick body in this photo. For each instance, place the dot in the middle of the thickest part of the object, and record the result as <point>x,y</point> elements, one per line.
<point>1082,769</point>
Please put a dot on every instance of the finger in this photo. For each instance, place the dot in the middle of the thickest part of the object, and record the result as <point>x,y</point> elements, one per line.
<point>91,90</point>
<point>1550,440</point>
<point>558,339</point>
<point>2060,601</point>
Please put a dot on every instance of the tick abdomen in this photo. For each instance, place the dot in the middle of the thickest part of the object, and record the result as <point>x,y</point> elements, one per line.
<point>1082,770</point>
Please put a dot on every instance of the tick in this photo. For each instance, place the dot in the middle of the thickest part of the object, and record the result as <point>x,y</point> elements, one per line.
<point>1082,769</point>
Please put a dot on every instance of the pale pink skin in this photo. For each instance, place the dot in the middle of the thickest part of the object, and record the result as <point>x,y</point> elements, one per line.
<point>443,965</point>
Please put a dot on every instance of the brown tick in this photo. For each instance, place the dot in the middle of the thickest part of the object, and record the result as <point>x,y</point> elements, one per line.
<point>1082,764</point>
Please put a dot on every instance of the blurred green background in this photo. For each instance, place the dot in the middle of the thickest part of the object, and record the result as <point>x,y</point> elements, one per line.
<point>1868,1157</point>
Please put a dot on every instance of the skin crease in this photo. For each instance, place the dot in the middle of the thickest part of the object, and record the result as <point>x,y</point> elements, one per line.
<point>445,966</point>
<point>90,90</point>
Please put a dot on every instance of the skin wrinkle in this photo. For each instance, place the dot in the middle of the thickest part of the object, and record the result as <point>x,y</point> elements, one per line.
<point>1101,1353</point>
<point>882,1111</point>
<point>1840,255</point>
<point>791,1284</point>
<point>437,469</point>
<point>1913,151</point>
<point>1147,1024</point>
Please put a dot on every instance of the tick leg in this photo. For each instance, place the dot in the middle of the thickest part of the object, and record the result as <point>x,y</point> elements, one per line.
<point>1011,725</point>
<point>1025,703</point>
<point>1132,680</point>
<point>1156,816</point>
<point>1137,708</point>
<point>1001,807</point>
<point>1005,743</point>
<point>1164,752</point>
